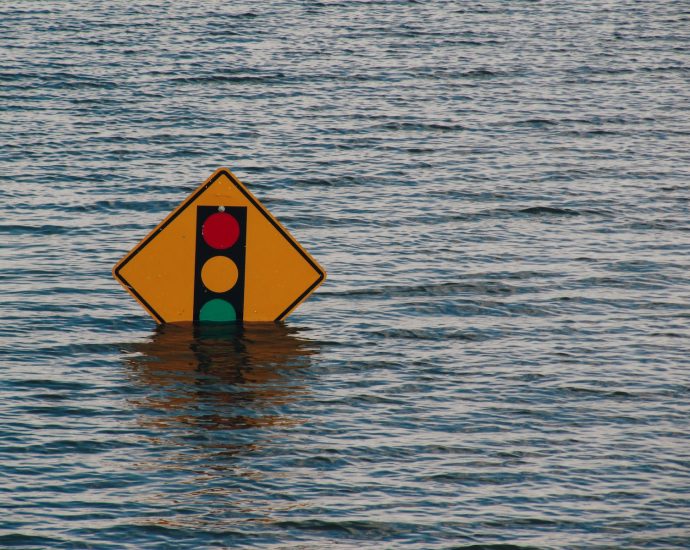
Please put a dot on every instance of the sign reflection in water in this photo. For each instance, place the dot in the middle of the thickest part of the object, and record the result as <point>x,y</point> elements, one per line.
<point>219,376</point>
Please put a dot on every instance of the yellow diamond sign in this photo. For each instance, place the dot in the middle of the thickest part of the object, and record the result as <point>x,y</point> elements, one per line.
<point>219,256</point>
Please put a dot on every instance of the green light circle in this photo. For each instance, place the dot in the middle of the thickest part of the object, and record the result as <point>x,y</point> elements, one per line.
<point>217,310</point>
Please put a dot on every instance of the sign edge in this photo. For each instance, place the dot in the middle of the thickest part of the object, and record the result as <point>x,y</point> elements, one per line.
<point>152,235</point>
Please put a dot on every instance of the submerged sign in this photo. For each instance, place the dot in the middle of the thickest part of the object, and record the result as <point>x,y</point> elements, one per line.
<point>219,256</point>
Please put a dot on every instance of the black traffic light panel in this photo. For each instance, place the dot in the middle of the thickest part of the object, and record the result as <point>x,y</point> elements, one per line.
<point>221,246</point>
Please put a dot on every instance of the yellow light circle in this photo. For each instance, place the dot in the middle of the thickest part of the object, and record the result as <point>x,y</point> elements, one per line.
<point>219,274</point>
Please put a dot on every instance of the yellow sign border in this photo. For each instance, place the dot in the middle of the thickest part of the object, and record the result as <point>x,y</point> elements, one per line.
<point>170,217</point>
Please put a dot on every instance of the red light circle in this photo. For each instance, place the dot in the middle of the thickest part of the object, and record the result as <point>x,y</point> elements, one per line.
<point>220,230</point>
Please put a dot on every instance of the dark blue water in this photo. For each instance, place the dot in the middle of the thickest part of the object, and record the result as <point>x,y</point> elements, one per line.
<point>500,192</point>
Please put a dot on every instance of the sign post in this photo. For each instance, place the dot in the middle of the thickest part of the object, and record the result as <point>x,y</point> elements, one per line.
<point>219,256</point>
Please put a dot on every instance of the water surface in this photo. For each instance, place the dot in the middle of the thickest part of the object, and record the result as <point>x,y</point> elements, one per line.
<point>500,355</point>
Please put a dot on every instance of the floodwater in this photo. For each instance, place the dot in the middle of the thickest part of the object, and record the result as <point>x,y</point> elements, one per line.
<point>500,356</point>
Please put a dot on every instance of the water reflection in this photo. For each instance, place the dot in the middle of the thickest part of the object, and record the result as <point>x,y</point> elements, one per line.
<point>212,402</point>
<point>219,376</point>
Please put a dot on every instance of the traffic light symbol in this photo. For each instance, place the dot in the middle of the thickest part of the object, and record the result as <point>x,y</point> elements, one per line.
<point>221,238</point>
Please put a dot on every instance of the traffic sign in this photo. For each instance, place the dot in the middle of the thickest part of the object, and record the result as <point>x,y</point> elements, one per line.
<point>219,256</point>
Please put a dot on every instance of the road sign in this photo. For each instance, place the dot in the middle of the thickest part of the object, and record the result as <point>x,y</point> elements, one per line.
<point>219,256</point>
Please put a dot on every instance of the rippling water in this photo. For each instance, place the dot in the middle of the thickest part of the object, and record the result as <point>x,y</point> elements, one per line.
<point>500,194</point>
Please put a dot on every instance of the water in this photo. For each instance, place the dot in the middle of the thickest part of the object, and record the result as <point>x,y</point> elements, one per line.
<point>500,355</point>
